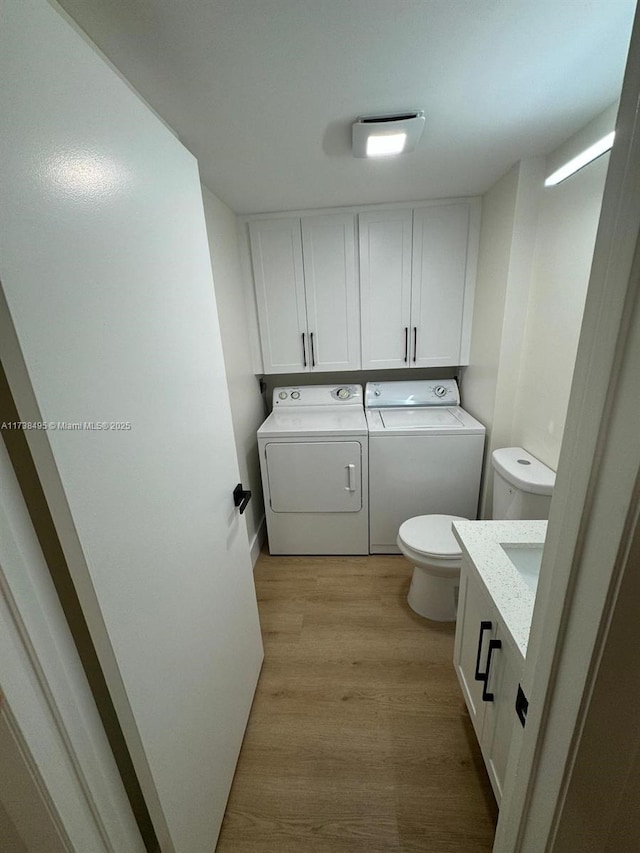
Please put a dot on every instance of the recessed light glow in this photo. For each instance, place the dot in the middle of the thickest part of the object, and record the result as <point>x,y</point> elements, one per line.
<point>587,156</point>
<point>386,135</point>
<point>386,144</point>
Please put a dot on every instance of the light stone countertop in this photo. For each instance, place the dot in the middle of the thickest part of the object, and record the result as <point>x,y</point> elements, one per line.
<point>481,541</point>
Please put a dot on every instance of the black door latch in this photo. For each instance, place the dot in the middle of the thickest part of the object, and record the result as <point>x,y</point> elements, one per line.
<point>241,497</point>
<point>522,706</point>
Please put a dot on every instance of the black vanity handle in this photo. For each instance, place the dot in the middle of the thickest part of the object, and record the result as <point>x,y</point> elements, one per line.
<point>241,497</point>
<point>304,352</point>
<point>313,352</point>
<point>486,696</point>
<point>481,676</point>
<point>415,343</point>
<point>406,344</point>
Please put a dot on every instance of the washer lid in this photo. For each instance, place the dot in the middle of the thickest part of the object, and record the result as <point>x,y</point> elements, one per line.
<point>419,418</point>
<point>432,534</point>
<point>427,420</point>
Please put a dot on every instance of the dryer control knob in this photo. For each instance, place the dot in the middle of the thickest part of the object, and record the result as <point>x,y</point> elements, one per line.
<point>343,393</point>
<point>283,395</point>
<point>439,390</point>
<point>295,395</point>
<point>377,392</point>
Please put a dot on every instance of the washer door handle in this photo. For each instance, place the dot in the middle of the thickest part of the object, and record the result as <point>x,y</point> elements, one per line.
<point>351,478</point>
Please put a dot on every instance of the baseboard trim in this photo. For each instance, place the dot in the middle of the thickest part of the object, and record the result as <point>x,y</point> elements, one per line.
<point>258,541</point>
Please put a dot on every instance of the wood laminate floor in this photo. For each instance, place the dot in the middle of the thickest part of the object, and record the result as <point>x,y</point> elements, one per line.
<point>358,738</point>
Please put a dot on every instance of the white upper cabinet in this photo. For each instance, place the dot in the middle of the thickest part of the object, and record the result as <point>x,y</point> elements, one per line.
<point>403,287</point>
<point>306,281</point>
<point>331,284</point>
<point>276,251</point>
<point>439,279</point>
<point>385,283</point>
<point>417,279</point>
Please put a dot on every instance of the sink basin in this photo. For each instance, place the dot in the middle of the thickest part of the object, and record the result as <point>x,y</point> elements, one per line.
<point>527,560</point>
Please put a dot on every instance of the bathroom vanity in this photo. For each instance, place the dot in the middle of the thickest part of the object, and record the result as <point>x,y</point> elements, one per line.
<point>498,581</point>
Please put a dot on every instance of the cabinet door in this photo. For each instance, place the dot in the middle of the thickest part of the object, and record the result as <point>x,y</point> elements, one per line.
<point>385,284</point>
<point>439,279</point>
<point>500,715</point>
<point>276,252</point>
<point>331,286</point>
<point>475,627</point>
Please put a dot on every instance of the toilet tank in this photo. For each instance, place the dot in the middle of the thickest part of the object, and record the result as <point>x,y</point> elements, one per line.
<point>522,485</point>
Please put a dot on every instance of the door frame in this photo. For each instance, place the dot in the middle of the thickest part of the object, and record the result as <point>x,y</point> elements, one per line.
<point>597,491</point>
<point>64,769</point>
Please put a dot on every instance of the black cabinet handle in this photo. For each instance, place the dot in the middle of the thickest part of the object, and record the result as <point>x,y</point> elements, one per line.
<point>313,352</point>
<point>304,352</point>
<point>415,343</point>
<point>484,626</point>
<point>406,344</point>
<point>241,497</point>
<point>486,696</point>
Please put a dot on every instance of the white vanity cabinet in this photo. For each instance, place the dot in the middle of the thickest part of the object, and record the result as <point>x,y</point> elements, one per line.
<point>417,279</point>
<point>488,667</point>
<point>306,283</point>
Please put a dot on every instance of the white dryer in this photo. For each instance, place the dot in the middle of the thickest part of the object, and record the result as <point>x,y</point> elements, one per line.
<point>314,462</point>
<point>425,456</point>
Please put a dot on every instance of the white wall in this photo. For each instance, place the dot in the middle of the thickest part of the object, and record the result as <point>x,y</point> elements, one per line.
<point>502,292</point>
<point>536,246</point>
<point>247,407</point>
<point>496,235</point>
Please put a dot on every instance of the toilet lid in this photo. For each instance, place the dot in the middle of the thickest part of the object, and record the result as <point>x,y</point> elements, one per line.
<point>431,534</point>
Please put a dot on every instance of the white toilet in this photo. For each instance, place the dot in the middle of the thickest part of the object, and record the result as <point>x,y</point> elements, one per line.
<point>522,488</point>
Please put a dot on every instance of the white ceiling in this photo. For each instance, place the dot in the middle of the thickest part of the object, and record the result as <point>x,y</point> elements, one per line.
<point>264,92</point>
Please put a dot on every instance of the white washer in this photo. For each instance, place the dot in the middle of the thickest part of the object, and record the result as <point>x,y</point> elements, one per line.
<point>425,456</point>
<point>314,461</point>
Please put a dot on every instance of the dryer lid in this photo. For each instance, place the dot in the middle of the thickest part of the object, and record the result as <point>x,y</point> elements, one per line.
<point>431,534</point>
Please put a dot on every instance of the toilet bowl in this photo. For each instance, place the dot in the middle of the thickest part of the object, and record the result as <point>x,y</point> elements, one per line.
<point>428,542</point>
<point>522,489</point>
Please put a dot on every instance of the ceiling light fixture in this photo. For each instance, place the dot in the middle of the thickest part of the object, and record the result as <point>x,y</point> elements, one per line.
<point>581,160</point>
<point>385,136</point>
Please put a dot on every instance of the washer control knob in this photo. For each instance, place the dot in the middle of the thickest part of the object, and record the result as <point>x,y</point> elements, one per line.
<point>343,393</point>
<point>377,392</point>
<point>440,391</point>
<point>283,395</point>
<point>295,395</point>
